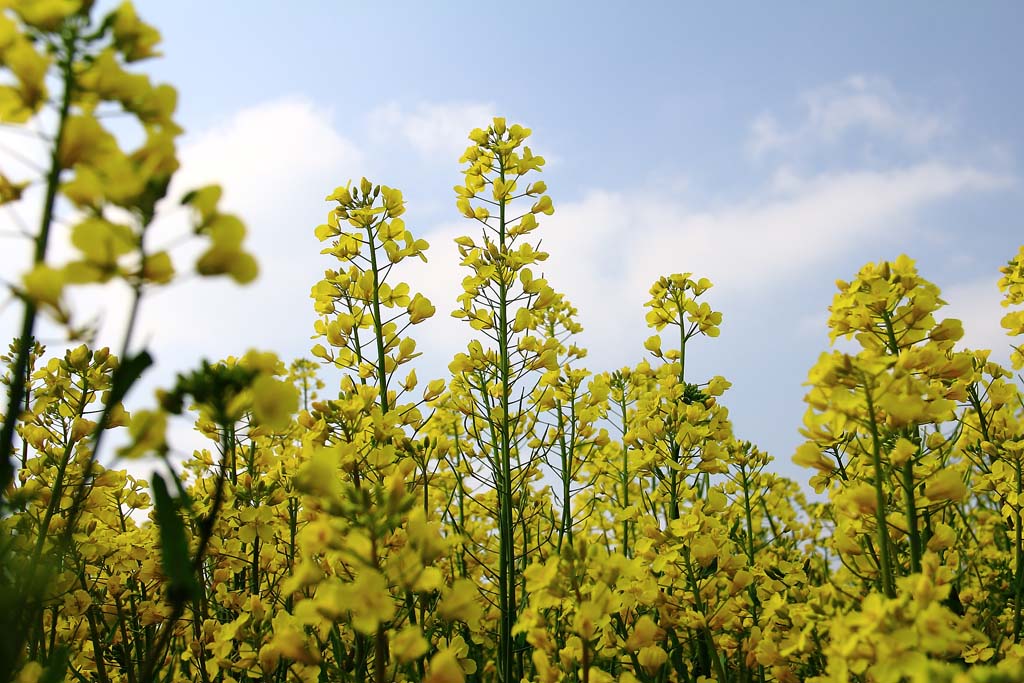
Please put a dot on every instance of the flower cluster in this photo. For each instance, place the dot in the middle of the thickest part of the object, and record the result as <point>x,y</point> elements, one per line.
<point>525,519</point>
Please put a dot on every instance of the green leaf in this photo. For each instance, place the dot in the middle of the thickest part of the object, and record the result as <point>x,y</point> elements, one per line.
<point>127,373</point>
<point>177,562</point>
<point>184,500</point>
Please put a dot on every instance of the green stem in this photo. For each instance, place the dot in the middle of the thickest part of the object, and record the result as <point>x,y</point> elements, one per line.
<point>883,530</point>
<point>506,574</point>
<point>914,533</point>
<point>706,639</point>
<point>1018,579</point>
<point>566,528</point>
<point>625,474</point>
<point>148,671</point>
<point>908,468</point>
<point>377,323</point>
<point>17,388</point>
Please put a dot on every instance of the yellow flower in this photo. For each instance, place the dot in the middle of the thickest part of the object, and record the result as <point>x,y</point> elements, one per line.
<point>288,642</point>
<point>85,141</point>
<point>434,389</point>
<point>653,344</point>
<point>652,658</point>
<point>946,484</point>
<point>902,452</point>
<point>409,644</point>
<point>369,601</point>
<point>159,268</point>
<point>704,550</point>
<point>30,673</point>
<point>274,401</point>
<point>147,434</point>
<point>943,536</point>
<point>645,633</point>
<point>589,616</point>
<point>44,285</point>
<point>132,36</point>
<point>543,205</point>
<point>444,668</point>
<point>540,576</point>
<point>304,575</point>
<point>29,67</point>
<point>460,602</point>
<point>46,14</point>
<point>977,653</point>
<point>10,191</point>
<point>810,455</point>
<point>103,242</point>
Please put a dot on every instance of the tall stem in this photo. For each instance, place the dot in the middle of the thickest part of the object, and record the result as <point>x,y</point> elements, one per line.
<point>911,507</point>
<point>380,639</point>
<point>565,530</point>
<point>625,473</point>
<point>378,325</point>
<point>1018,557</point>
<point>12,644</point>
<point>507,569</point>
<point>914,533</point>
<point>42,240</point>
<point>148,672</point>
<point>883,530</point>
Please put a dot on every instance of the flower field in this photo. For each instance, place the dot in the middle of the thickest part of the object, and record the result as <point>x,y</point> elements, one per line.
<point>522,519</point>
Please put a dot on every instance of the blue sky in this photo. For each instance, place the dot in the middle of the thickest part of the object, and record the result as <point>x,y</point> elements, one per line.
<point>771,147</point>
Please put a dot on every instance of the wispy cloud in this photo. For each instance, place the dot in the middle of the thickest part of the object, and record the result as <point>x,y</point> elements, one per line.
<point>434,130</point>
<point>858,104</point>
<point>976,303</point>
<point>609,247</point>
<point>276,163</point>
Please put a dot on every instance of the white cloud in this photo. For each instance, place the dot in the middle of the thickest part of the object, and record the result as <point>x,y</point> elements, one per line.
<point>856,104</point>
<point>276,162</point>
<point>23,158</point>
<point>264,154</point>
<point>766,135</point>
<point>976,305</point>
<point>434,130</point>
<point>608,248</point>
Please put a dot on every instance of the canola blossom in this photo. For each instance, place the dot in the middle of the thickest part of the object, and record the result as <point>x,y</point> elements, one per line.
<point>524,519</point>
